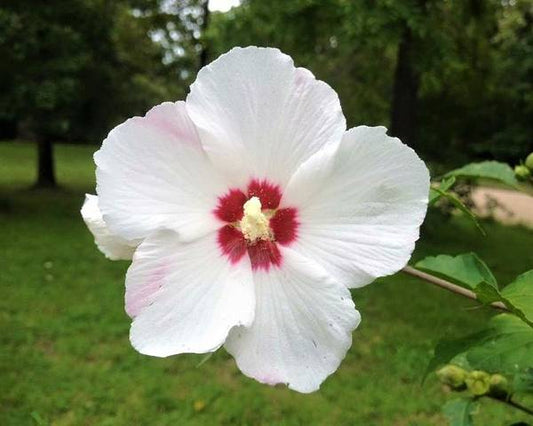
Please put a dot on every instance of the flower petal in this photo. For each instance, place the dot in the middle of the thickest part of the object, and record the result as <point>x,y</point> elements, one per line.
<point>113,247</point>
<point>230,206</point>
<point>302,327</point>
<point>360,208</point>
<point>259,116</point>
<point>232,243</point>
<point>152,172</point>
<point>268,193</point>
<point>185,296</point>
<point>264,254</point>
<point>284,225</point>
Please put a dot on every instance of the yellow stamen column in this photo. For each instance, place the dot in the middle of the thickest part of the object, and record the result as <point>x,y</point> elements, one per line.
<point>254,224</point>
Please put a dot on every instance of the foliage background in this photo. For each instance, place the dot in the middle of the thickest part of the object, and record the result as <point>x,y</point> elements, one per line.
<point>453,77</point>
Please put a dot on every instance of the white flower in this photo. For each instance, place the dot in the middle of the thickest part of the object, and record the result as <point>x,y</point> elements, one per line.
<point>113,246</point>
<point>255,211</point>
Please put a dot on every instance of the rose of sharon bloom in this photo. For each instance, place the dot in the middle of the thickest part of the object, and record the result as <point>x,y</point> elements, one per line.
<point>114,247</point>
<point>254,211</point>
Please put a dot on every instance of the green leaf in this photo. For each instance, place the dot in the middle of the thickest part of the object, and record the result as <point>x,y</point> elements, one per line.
<point>518,296</point>
<point>506,348</point>
<point>459,412</point>
<point>469,271</point>
<point>493,170</point>
<point>444,185</point>
<point>460,206</point>
<point>466,270</point>
<point>448,349</point>
<point>523,382</point>
<point>486,293</point>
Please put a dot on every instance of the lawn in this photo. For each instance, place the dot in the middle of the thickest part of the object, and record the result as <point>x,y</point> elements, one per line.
<point>65,357</point>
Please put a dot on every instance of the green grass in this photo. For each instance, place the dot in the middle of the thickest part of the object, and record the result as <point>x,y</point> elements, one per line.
<point>65,358</point>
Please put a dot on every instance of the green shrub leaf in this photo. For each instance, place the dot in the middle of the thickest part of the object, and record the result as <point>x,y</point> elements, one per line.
<point>469,271</point>
<point>448,349</point>
<point>466,270</point>
<point>459,412</point>
<point>506,347</point>
<point>518,296</point>
<point>523,382</point>
<point>493,170</point>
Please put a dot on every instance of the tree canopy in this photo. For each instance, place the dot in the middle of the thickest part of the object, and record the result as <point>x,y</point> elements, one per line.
<point>452,78</point>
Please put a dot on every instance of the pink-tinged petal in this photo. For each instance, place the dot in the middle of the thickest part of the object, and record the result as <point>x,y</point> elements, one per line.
<point>258,115</point>
<point>230,206</point>
<point>284,225</point>
<point>112,246</point>
<point>152,173</point>
<point>268,193</point>
<point>184,297</point>
<point>232,243</point>
<point>264,255</point>
<point>171,118</point>
<point>302,327</point>
<point>360,207</point>
<point>140,296</point>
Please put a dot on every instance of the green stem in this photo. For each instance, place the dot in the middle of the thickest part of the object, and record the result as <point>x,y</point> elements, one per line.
<point>447,285</point>
<point>514,405</point>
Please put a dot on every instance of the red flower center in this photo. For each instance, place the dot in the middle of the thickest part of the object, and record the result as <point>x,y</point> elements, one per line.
<point>282,221</point>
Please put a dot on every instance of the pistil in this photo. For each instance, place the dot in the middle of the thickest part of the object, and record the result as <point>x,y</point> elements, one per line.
<point>254,224</point>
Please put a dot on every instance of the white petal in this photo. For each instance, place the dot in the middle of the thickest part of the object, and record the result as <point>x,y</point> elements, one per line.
<point>111,245</point>
<point>258,115</point>
<point>360,208</point>
<point>302,327</point>
<point>152,172</point>
<point>185,297</point>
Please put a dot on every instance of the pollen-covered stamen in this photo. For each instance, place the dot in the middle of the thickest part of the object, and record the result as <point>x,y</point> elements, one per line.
<point>254,224</point>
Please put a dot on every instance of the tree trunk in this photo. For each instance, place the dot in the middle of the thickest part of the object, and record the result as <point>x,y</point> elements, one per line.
<point>204,54</point>
<point>46,174</point>
<point>405,92</point>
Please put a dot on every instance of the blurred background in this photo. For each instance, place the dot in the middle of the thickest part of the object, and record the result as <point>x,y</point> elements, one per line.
<point>452,78</point>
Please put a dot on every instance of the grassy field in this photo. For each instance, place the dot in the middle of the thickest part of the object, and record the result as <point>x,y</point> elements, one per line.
<point>65,358</point>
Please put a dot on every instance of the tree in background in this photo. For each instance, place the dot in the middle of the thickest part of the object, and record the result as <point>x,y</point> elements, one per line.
<point>204,53</point>
<point>43,56</point>
<point>177,26</point>
<point>452,79</point>
<point>72,70</point>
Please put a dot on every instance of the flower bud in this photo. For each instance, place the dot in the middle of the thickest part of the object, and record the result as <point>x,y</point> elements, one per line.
<point>499,386</point>
<point>522,172</point>
<point>478,382</point>
<point>529,161</point>
<point>452,376</point>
